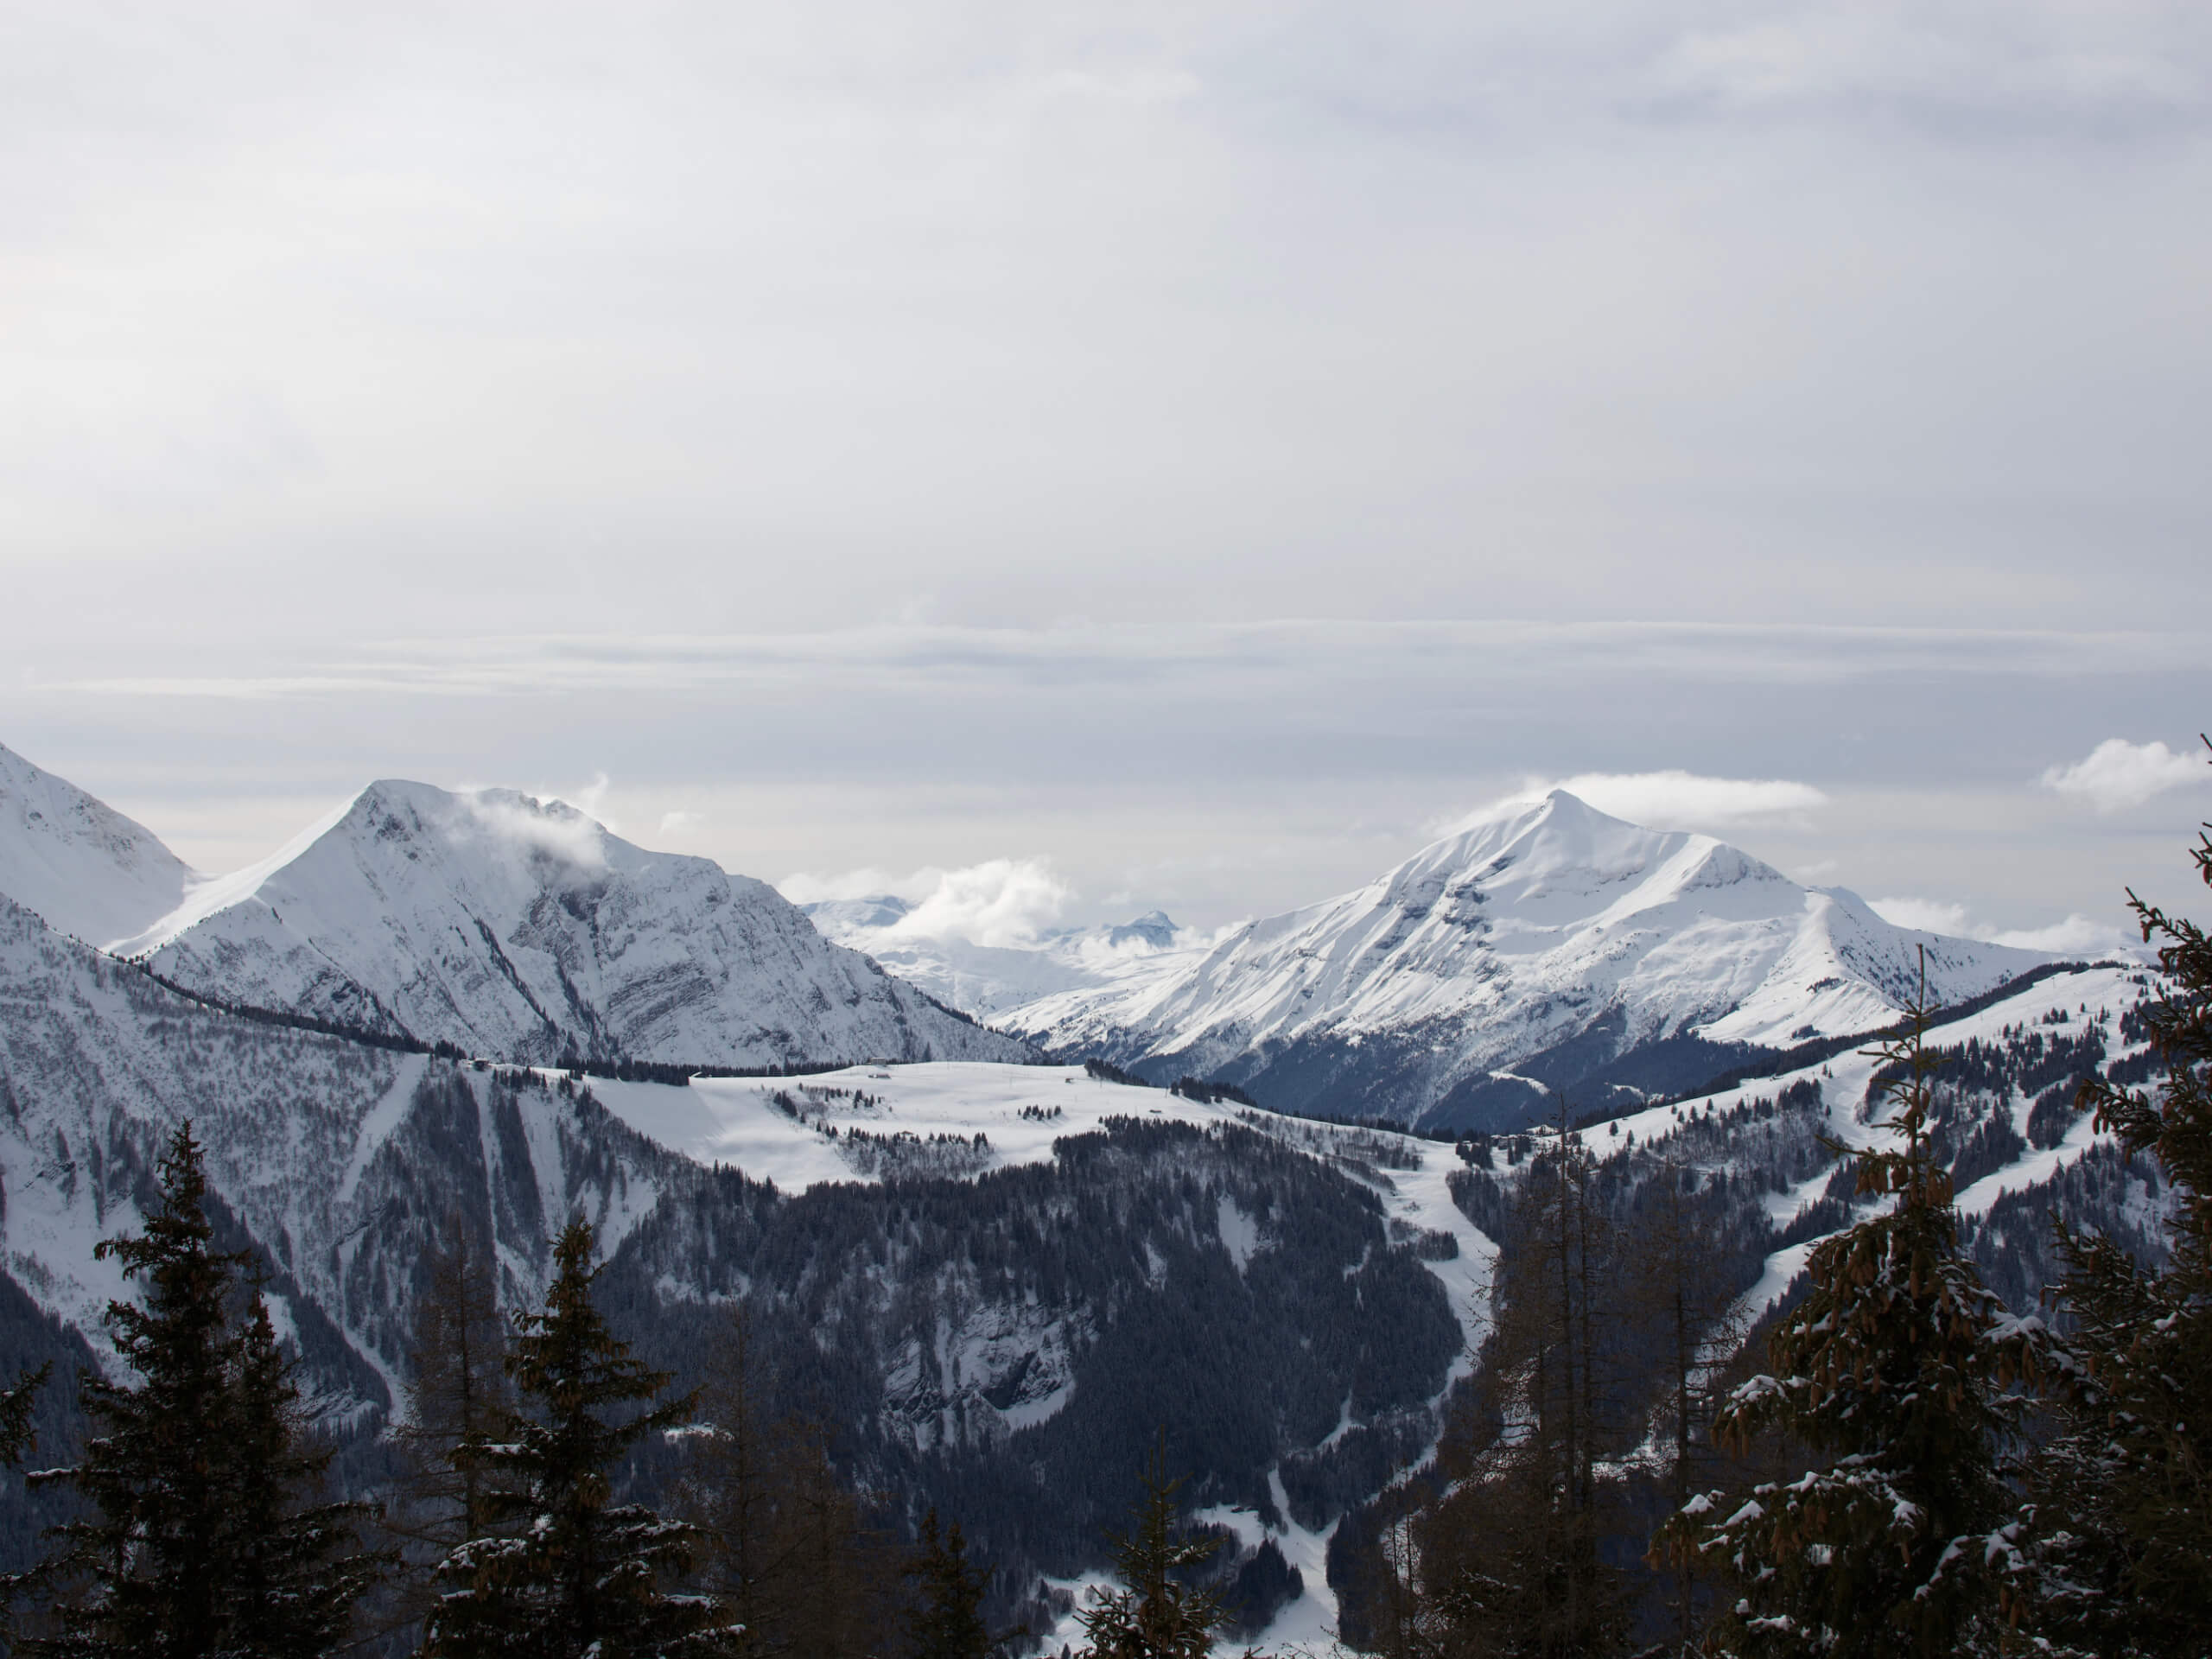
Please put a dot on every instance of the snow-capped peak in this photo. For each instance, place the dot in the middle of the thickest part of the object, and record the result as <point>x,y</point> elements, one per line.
<point>1545,933</point>
<point>523,928</point>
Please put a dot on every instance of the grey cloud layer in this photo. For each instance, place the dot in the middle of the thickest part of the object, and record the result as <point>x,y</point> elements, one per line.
<point>575,317</point>
<point>908,421</point>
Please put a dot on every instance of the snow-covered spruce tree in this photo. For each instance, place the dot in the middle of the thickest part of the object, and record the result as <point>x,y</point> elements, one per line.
<point>1897,1365</point>
<point>566,1571</point>
<point>196,1544</point>
<point>2117,1544</point>
<point>1154,1615</point>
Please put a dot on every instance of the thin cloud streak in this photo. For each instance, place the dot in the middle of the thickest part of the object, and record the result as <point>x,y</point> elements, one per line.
<point>1787,653</point>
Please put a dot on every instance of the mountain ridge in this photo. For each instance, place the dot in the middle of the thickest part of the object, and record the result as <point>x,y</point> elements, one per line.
<point>490,921</point>
<point>1545,945</point>
<point>76,862</point>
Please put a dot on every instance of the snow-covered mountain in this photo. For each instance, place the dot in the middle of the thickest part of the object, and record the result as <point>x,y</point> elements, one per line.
<point>1543,947</point>
<point>81,865</point>
<point>991,980</point>
<point>524,930</point>
<point>1063,1265</point>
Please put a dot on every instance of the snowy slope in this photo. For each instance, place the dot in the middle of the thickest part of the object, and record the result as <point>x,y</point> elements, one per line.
<point>341,1159</point>
<point>987,979</point>
<point>522,929</point>
<point>973,1332</point>
<point>801,1134</point>
<point>1547,946</point>
<point>1849,1111</point>
<point>83,866</point>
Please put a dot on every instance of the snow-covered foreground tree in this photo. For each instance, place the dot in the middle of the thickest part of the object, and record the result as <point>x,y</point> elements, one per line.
<point>198,1539</point>
<point>2117,1544</point>
<point>1896,1367</point>
<point>565,1570</point>
<point>1157,1613</point>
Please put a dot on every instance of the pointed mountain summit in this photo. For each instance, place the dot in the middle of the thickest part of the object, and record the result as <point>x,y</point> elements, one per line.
<point>522,929</point>
<point>1545,946</point>
<point>78,865</point>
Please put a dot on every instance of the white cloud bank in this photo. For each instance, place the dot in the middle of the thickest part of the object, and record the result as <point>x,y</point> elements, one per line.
<point>551,827</point>
<point>2118,774</point>
<point>2077,936</point>
<point>1001,901</point>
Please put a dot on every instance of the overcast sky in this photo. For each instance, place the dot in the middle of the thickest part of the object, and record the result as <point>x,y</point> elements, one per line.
<point>1189,452</point>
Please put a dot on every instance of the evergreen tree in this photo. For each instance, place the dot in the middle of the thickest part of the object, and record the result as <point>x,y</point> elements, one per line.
<point>947,1619</point>
<point>1155,1614</point>
<point>16,1407</point>
<point>196,1544</point>
<point>1896,1365</point>
<point>2116,1552</point>
<point>566,1571</point>
<point>16,1439</point>
<point>298,1570</point>
<point>156,1474</point>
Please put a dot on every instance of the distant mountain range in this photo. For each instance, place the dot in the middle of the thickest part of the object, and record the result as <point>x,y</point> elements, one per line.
<point>1001,1282</point>
<point>1544,947</point>
<point>511,927</point>
<point>993,980</point>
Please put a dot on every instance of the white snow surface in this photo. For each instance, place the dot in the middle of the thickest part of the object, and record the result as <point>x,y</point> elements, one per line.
<point>1521,931</point>
<point>735,1121</point>
<point>78,865</point>
<point>520,928</point>
<point>1844,1083</point>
